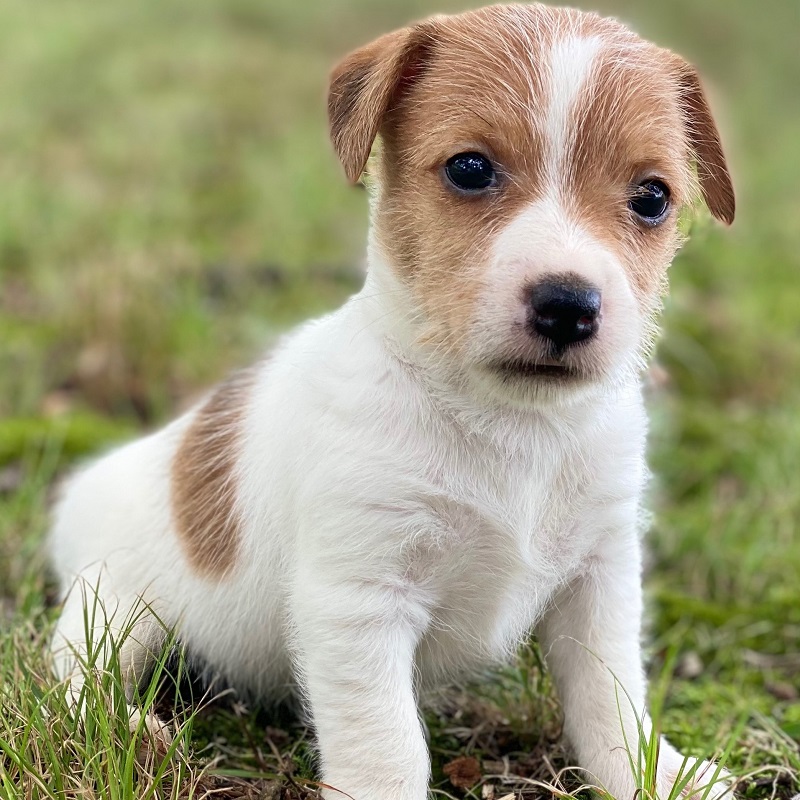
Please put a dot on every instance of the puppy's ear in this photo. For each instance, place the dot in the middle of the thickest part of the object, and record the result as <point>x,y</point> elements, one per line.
<point>363,87</point>
<point>712,169</point>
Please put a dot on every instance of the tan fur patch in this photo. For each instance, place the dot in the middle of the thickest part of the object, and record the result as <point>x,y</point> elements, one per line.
<point>481,81</point>
<point>362,88</point>
<point>712,168</point>
<point>481,89</point>
<point>204,481</point>
<point>627,129</point>
<point>642,116</point>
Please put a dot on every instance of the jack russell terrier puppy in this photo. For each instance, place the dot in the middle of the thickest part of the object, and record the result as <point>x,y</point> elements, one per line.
<point>405,488</point>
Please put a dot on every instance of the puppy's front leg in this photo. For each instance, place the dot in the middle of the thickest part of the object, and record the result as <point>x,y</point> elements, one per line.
<point>591,642</point>
<point>356,643</point>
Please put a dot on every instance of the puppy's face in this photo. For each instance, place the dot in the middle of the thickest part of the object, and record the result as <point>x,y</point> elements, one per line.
<point>533,166</point>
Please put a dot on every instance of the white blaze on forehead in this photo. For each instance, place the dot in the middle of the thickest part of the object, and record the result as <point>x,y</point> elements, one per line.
<point>570,63</point>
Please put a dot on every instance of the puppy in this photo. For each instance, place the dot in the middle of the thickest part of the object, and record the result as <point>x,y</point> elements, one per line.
<point>405,488</point>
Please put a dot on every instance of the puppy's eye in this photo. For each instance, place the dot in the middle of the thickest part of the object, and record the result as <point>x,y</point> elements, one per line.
<point>650,201</point>
<point>470,172</point>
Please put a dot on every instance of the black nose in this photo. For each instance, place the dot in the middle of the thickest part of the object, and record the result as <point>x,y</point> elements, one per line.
<point>565,313</point>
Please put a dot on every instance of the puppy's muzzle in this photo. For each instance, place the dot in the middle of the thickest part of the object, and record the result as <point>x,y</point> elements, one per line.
<point>565,312</point>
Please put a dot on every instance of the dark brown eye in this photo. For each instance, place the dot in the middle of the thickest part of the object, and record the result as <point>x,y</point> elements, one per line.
<point>650,201</point>
<point>470,172</point>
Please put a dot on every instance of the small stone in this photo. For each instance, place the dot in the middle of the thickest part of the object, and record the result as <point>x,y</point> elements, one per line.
<point>277,735</point>
<point>7,609</point>
<point>57,403</point>
<point>781,690</point>
<point>690,666</point>
<point>11,478</point>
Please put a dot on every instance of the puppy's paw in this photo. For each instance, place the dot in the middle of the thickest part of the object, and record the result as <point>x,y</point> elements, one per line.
<point>697,779</point>
<point>676,777</point>
<point>157,733</point>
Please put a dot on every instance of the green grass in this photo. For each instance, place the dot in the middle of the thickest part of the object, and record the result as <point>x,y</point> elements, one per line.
<point>171,204</point>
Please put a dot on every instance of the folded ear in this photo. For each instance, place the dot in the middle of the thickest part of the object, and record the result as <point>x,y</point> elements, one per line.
<point>712,169</point>
<point>363,87</point>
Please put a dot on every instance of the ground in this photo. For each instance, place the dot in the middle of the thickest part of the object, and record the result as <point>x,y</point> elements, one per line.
<point>171,204</point>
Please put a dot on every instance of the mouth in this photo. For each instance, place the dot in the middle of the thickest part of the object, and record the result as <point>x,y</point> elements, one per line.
<point>529,369</point>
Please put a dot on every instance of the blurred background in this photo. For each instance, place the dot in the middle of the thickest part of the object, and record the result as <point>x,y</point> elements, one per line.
<point>170,203</point>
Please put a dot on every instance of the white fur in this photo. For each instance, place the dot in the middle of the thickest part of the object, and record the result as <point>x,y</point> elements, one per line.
<point>569,70</point>
<point>384,530</point>
<point>543,240</point>
<point>400,519</point>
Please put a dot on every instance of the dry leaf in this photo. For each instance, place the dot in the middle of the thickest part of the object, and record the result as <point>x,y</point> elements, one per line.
<point>464,772</point>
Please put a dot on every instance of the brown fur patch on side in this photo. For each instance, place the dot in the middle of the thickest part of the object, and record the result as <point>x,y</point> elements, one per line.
<point>204,481</point>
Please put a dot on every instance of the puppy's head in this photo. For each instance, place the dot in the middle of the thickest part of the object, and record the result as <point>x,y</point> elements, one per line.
<point>534,161</point>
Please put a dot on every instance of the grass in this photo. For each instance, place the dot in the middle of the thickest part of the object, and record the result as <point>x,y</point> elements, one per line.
<point>171,205</point>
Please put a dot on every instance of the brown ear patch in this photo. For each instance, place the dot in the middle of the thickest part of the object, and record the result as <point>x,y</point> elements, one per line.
<point>362,88</point>
<point>204,480</point>
<point>712,169</point>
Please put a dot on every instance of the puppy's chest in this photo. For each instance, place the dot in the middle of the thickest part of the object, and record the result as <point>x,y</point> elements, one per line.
<point>519,518</point>
<point>496,549</point>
